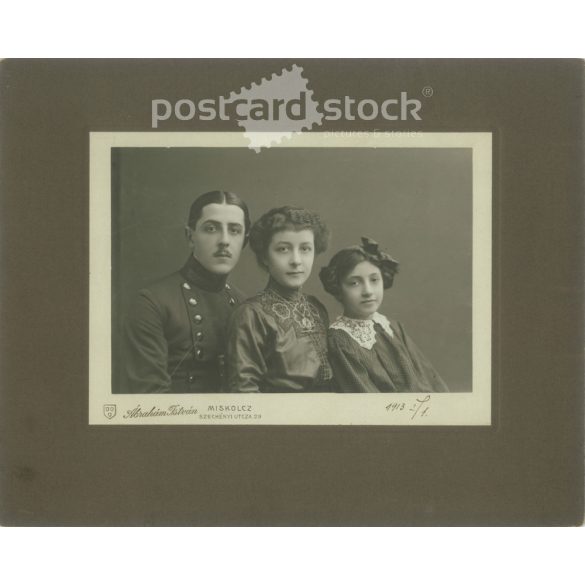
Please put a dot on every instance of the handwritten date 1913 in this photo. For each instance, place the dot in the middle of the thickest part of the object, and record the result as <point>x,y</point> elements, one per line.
<point>417,409</point>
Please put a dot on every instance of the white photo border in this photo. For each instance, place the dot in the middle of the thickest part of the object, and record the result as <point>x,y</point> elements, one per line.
<point>403,409</point>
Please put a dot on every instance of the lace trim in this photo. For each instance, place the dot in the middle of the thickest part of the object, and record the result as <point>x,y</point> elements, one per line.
<point>362,331</point>
<point>303,313</point>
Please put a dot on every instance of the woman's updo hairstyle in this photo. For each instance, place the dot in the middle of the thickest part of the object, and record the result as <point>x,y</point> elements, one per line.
<point>286,218</point>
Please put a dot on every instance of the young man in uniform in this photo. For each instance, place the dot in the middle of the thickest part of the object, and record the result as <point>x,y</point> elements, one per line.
<point>175,332</point>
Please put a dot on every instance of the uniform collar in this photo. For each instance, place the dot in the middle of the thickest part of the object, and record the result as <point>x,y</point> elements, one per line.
<point>194,273</point>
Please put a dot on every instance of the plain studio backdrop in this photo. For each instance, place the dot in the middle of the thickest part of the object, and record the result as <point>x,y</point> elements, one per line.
<point>416,202</point>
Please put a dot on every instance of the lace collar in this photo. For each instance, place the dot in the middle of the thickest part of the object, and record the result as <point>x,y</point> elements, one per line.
<point>362,331</point>
<point>294,306</point>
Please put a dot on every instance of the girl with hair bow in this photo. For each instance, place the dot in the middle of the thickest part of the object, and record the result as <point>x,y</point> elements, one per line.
<point>367,351</point>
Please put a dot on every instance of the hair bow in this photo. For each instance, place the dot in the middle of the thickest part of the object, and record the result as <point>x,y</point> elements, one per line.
<point>372,248</point>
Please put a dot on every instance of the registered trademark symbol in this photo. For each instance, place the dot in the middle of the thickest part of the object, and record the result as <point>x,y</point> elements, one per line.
<point>427,91</point>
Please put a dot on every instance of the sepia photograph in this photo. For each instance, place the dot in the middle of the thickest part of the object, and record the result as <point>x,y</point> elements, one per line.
<point>361,312</point>
<point>335,278</point>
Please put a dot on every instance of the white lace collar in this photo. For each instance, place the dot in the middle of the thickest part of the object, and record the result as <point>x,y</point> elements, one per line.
<point>362,330</point>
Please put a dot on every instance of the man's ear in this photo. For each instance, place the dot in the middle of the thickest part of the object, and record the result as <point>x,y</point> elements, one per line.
<point>188,232</point>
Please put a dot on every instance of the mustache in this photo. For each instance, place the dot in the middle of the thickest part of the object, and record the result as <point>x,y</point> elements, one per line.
<point>222,253</point>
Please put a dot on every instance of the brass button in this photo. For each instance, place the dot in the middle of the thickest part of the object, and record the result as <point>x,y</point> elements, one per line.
<point>228,286</point>
<point>197,318</point>
<point>232,301</point>
<point>186,286</point>
<point>199,335</point>
<point>192,301</point>
<point>191,378</point>
<point>199,354</point>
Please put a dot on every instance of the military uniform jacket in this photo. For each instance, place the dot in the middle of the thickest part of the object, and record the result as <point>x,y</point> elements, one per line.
<point>175,333</point>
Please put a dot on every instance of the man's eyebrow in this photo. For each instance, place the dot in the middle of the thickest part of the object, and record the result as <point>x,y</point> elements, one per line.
<point>215,222</point>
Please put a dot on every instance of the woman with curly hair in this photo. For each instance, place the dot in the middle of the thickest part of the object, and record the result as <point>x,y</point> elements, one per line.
<point>277,340</point>
<point>369,353</point>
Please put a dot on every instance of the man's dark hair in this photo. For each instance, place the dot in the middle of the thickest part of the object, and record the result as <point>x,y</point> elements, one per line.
<point>220,197</point>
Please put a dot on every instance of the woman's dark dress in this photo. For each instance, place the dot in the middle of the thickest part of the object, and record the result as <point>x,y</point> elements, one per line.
<point>378,356</point>
<point>277,342</point>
